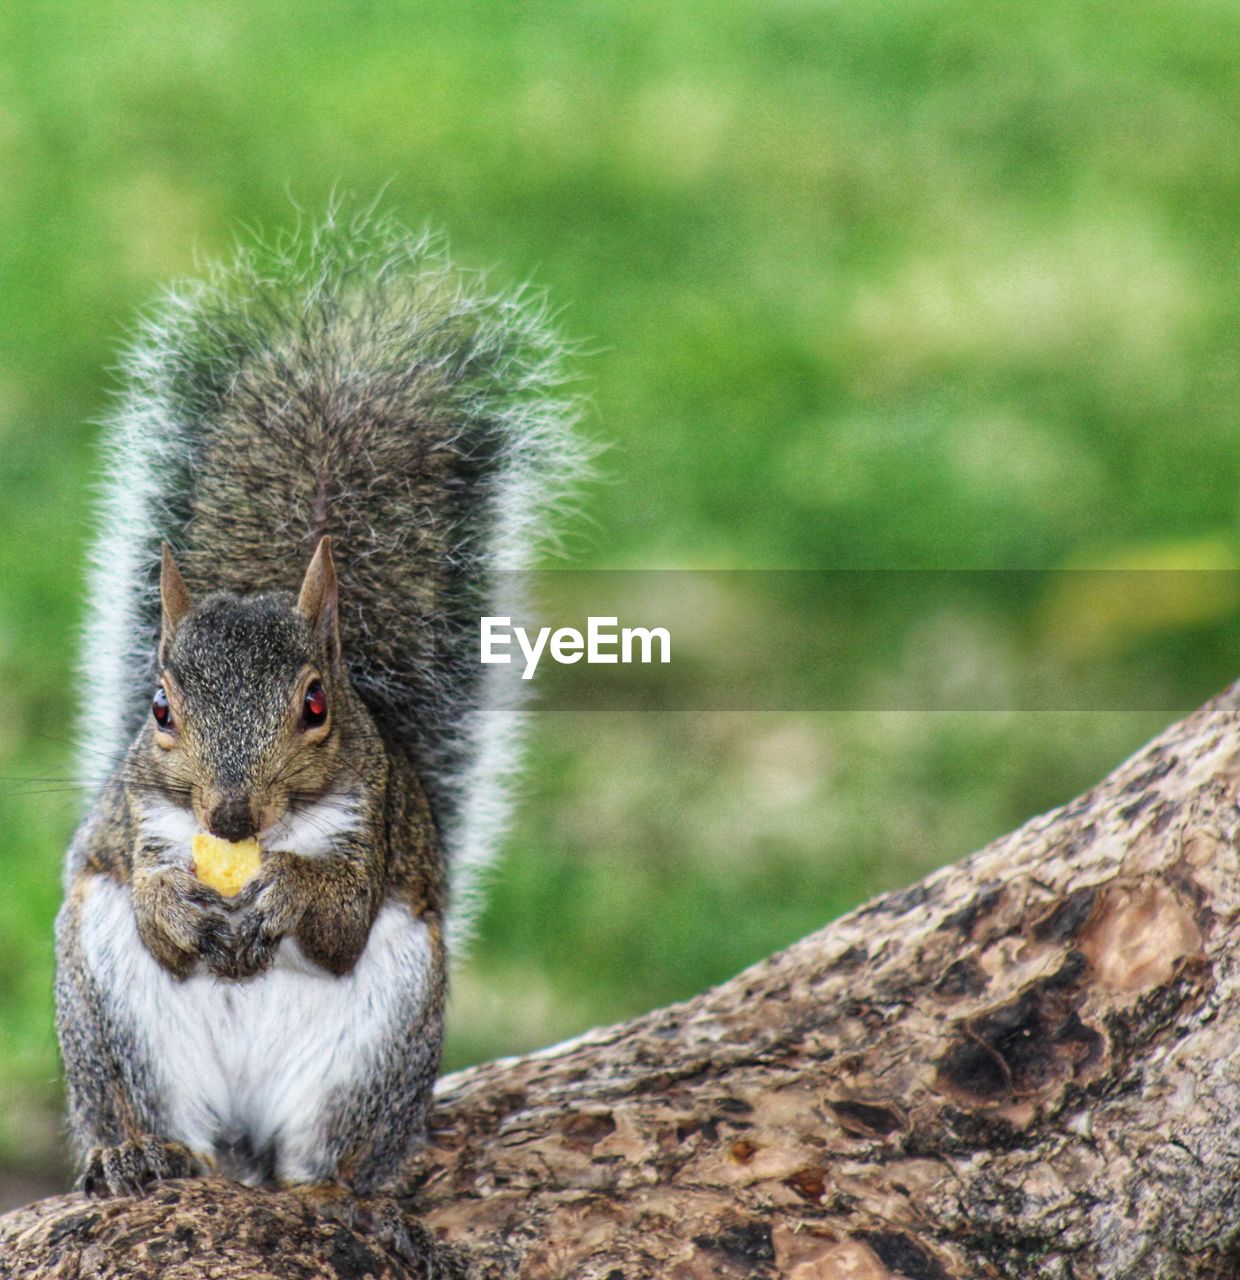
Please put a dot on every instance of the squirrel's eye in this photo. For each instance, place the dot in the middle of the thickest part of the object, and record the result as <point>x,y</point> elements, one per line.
<point>160,709</point>
<point>314,705</point>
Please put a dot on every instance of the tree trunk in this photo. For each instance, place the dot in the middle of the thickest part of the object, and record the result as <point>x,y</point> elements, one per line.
<point>1024,1066</point>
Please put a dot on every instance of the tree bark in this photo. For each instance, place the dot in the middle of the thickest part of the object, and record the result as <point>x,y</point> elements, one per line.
<point>1025,1066</point>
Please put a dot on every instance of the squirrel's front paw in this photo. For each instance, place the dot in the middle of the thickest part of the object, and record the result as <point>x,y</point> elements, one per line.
<point>265,912</point>
<point>131,1168</point>
<point>179,919</point>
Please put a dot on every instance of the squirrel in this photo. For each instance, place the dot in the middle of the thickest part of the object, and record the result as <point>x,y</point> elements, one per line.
<point>328,453</point>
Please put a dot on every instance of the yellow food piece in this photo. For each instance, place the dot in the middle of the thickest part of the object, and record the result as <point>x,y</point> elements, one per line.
<point>223,864</point>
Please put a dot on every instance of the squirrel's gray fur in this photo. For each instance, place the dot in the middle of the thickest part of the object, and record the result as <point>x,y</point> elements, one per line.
<point>414,415</point>
<point>348,398</point>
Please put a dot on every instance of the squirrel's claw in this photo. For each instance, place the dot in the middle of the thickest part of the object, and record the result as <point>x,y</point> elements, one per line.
<point>215,944</point>
<point>132,1167</point>
<point>265,913</point>
<point>250,949</point>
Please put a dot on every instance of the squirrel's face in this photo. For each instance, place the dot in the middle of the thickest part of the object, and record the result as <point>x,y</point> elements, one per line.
<point>252,703</point>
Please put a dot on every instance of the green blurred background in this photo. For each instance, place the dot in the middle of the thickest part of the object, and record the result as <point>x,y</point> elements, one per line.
<point>909,285</point>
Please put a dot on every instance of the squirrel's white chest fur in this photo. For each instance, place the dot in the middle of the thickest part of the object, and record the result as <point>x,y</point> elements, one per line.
<point>250,1066</point>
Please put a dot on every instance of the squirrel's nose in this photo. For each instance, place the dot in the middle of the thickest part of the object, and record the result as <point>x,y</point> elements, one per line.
<point>233,819</point>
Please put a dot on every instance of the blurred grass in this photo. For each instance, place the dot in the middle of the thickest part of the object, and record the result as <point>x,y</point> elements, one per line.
<point>911,285</point>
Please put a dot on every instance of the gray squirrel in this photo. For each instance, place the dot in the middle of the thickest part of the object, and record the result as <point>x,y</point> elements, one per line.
<point>328,455</point>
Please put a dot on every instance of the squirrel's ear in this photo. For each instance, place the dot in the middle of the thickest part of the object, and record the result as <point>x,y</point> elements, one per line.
<point>317,602</point>
<point>174,600</point>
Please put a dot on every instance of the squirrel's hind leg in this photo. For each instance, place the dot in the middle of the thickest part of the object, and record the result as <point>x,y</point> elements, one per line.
<point>131,1168</point>
<point>118,1127</point>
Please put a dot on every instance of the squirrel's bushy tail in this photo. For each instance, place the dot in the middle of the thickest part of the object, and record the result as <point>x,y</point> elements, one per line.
<point>349,382</point>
